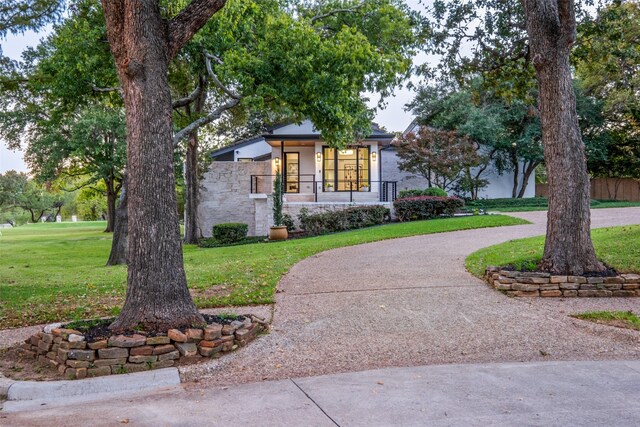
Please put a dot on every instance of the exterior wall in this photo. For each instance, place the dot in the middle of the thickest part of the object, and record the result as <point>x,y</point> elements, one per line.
<point>258,148</point>
<point>391,172</point>
<point>224,194</point>
<point>500,186</point>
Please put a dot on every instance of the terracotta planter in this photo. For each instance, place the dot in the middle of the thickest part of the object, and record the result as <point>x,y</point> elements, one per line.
<point>278,233</point>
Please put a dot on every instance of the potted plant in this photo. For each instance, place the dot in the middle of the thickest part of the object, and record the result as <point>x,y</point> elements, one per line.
<point>364,187</point>
<point>278,231</point>
<point>328,187</point>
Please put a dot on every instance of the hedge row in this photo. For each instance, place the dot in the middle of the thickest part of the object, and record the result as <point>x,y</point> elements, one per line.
<point>426,207</point>
<point>347,219</point>
<point>433,191</point>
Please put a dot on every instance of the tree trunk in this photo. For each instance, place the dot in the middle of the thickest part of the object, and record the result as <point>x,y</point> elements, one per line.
<point>119,243</point>
<point>192,232</point>
<point>142,44</point>
<point>111,205</point>
<point>526,174</point>
<point>516,171</point>
<point>551,27</point>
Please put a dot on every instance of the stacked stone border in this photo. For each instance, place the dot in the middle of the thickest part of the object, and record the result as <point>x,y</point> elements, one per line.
<point>69,351</point>
<point>534,284</point>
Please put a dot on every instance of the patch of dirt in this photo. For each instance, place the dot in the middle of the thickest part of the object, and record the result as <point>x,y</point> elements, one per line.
<point>216,291</point>
<point>608,272</point>
<point>15,366</point>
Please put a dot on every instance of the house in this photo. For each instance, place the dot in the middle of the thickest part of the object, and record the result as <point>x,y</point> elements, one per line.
<point>500,184</point>
<point>239,182</point>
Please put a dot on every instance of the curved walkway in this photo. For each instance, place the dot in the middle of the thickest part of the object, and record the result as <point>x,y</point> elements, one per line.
<point>410,302</point>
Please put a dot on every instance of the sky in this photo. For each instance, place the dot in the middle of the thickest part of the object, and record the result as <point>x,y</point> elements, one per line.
<point>392,117</point>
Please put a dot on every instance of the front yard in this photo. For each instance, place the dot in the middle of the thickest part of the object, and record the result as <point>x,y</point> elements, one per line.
<point>56,272</point>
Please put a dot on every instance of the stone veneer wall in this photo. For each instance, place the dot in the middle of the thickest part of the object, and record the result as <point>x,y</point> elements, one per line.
<point>532,284</point>
<point>224,194</point>
<point>69,351</point>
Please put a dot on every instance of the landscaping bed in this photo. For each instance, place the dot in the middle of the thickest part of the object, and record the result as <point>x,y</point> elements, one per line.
<point>91,349</point>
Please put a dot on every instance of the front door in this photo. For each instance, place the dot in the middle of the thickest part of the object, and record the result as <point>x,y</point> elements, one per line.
<point>291,172</point>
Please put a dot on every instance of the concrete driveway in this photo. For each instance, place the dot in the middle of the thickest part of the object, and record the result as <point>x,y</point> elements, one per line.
<point>410,302</point>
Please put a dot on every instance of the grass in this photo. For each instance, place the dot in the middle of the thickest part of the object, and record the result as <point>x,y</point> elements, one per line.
<point>623,319</point>
<point>616,246</point>
<point>537,204</point>
<point>55,272</point>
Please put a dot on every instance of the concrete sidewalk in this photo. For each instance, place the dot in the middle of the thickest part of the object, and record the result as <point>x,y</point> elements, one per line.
<point>537,394</point>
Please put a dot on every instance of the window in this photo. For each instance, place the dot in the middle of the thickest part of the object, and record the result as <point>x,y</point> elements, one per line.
<point>346,170</point>
<point>291,172</point>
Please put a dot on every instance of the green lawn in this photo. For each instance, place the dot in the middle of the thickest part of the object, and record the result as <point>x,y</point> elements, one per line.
<point>536,204</point>
<point>616,246</point>
<point>622,319</point>
<point>51,272</point>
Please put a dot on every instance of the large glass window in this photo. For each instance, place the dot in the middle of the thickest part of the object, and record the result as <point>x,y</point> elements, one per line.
<point>291,172</point>
<point>346,170</point>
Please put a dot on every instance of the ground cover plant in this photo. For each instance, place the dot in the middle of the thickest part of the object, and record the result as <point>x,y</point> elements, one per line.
<point>615,246</point>
<point>56,272</point>
<point>620,319</point>
<point>535,204</point>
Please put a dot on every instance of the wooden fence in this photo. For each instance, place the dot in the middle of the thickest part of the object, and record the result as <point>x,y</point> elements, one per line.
<point>626,189</point>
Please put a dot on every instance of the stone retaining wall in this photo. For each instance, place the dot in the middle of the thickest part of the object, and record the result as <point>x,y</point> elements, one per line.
<point>532,284</point>
<point>69,351</point>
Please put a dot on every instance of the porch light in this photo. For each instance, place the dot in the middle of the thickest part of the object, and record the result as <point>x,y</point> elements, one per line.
<point>277,161</point>
<point>318,156</point>
<point>374,155</point>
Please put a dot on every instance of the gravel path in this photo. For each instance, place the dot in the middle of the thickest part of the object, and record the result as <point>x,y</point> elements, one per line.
<point>409,302</point>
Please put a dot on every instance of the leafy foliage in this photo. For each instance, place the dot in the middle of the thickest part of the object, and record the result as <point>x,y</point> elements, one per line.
<point>277,199</point>
<point>230,232</point>
<point>426,207</point>
<point>341,220</point>
<point>433,191</point>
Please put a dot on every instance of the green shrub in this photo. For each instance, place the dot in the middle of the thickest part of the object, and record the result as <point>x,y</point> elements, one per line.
<point>347,219</point>
<point>230,232</point>
<point>426,207</point>
<point>433,191</point>
<point>287,221</point>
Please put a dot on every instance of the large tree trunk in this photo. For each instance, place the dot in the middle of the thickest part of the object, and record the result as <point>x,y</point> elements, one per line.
<point>568,248</point>
<point>142,44</point>
<point>112,196</point>
<point>119,243</point>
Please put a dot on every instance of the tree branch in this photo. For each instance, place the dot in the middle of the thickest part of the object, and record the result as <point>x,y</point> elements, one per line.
<point>183,102</point>
<point>208,57</point>
<point>185,24</point>
<point>214,115</point>
<point>337,11</point>
<point>567,16</point>
<point>106,89</point>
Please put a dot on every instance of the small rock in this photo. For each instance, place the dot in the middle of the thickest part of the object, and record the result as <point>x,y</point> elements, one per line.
<point>48,338</point>
<point>88,355</point>
<point>98,372</point>
<point>135,367</point>
<point>162,364</point>
<point>228,329</point>
<point>113,353</point>
<point>158,340</point>
<point>142,359</point>
<point>75,338</point>
<point>145,350</point>
<point>212,332</point>
<point>109,362</point>
<point>124,341</point>
<point>77,363</point>
<point>81,373</point>
<point>49,328</point>
<point>162,349</point>
<point>80,345</point>
<point>97,345</point>
<point>187,349</point>
<point>169,356</point>
<point>177,336</point>
<point>194,335</point>
<point>209,351</point>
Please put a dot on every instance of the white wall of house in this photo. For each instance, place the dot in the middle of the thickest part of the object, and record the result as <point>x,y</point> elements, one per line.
<point>500,185</point>
<point>251,151</point>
